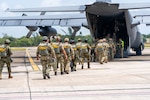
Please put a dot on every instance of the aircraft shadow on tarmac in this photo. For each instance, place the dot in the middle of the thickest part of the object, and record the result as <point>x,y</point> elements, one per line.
<point>133,57</point>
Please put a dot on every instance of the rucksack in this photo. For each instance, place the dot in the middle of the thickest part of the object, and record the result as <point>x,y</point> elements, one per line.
<point>43,49</point>
<point>67,49</point>
<point>99,47</point>
<point>84,49</point>
<point>3,51</point>
<point>56,47</point>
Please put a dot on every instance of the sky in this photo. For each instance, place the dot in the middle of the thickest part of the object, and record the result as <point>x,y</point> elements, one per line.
<point>18,31</point>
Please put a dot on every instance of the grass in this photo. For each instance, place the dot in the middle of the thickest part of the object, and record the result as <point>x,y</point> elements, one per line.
<point>147,44</point>
<point>18,48</point>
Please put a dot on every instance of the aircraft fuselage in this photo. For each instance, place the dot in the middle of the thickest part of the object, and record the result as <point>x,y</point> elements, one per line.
<point>104,18</point>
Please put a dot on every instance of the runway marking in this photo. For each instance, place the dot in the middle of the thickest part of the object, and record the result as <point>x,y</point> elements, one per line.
<point>34,66</point>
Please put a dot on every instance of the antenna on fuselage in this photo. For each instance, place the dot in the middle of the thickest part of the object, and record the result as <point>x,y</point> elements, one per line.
<point>103,0</point>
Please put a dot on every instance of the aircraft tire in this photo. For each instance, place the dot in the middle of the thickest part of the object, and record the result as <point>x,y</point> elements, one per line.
<point>138,51</point>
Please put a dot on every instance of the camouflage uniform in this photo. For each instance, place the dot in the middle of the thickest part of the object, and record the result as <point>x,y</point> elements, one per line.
<point>70,54</point>
<point>53,62</point>
<point>111,49</point>
<point>85,53</point>
<point>78,47</point>
<point>93,55</point>
<point>75,60</point>
<point>45,58</point>
<point>6,59</point>
<point>99,50</point>
<point>106,51</point>
<point>60,53</point>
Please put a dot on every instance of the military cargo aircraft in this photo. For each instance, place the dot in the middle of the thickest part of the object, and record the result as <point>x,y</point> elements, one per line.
<point>102,18</point>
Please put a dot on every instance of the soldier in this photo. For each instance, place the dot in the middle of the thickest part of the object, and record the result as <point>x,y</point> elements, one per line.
<point>44,49</point>
<point>60,53</point>
<point>78,47</point>
<point>85,53</point>
<point>112,48</point>
<point>70,54</point>
<point>75,60</point>
<point>5,57</point>
<point>99,50</point>
<point>106,51</point>
<point>93,55</point>
<point>53,62</point>
<point>121,47</point>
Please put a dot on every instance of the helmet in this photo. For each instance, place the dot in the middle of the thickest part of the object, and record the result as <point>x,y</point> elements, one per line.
<point>100,41</point>
<point>57,37</point>
<point>79,39</point>
<point>45,38</point>
<point>104,40</point>
<point>66,39</point>
<point>7,41</point>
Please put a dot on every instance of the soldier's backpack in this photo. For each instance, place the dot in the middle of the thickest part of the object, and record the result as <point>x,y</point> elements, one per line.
<point>67,49</point>
<point>78,46</point>
<point>43,49</point>
<point>3,51</point>
<point>84,49</point>
<point>56,47</point>
<point>99,47</point>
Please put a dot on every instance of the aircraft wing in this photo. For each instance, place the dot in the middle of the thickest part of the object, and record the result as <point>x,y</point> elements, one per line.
<point>143,16</point>
<point>45,20</point>
<point>80,8</point>
<point>141,13</point>
<point>129,6</point>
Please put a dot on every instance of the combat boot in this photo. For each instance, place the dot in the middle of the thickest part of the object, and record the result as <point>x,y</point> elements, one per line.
<point>88,64</point>
<point>61,73</point>
<point>66,72</point>
<point>10,76</point>
<point>82,67</point>
<point>47,76</point>
<point>71,69</point>
<point>55,73</point>
<point>44,77</point>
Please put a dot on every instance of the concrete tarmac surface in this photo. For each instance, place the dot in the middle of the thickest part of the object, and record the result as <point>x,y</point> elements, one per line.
<point>121,79</point>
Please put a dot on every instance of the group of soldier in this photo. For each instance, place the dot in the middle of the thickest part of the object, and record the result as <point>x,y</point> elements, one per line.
<point>54,53</point>
<point>65,55</point>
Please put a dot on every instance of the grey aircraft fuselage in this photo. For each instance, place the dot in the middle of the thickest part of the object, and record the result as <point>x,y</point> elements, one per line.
<point>104,19</point>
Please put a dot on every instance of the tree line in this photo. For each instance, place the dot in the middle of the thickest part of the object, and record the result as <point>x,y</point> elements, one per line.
<point>36,39</point>
<point>145,36</point>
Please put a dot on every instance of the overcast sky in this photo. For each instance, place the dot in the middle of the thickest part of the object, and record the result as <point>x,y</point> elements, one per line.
<point>22,31</point>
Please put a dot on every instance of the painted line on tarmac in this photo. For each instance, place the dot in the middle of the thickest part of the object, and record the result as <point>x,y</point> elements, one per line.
<point>34,66</point>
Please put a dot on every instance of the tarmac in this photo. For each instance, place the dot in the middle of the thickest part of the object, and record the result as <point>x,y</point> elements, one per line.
<point>121,79</point>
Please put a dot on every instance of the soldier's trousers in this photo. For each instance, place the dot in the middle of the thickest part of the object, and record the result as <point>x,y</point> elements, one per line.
<point>2,62</point>
<point>44,62</point>
<point>60,60</point>
<point>101,57</point>
<point>67,64</point>
<point>53,64</point>
<point>87,56</point>
<point>111,54</point>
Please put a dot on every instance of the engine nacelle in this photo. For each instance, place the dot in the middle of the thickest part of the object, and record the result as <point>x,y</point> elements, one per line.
<point>47,31</point>
<point>31,30</point>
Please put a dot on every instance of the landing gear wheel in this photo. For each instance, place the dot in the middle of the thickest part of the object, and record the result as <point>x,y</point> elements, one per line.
<point>138,51</point>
